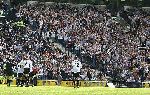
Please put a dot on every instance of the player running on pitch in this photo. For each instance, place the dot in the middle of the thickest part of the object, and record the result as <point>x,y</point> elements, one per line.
<point>76,67</point>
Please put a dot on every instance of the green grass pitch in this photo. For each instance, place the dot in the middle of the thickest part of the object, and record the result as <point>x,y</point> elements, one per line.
<point>58,90</point>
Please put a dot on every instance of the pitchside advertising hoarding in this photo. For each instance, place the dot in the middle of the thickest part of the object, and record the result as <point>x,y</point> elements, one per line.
<point>64,83</point>
<point>82,83</point>
<point>146,84</point>
<point>70,83</point>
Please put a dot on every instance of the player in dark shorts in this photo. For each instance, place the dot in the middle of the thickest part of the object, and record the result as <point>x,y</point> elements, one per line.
<point>76,79</point>
<point>26,73</point>
<point>76,67</point>
<point>31,77</point>
<point>20,70</point>
<point>28,70</point>
<point>20,79</point>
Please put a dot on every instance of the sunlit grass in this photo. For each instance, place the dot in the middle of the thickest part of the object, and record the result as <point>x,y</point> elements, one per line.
<point>57,90</point>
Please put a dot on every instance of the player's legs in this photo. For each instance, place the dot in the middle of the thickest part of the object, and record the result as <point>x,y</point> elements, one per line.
<point>26,73</point>
<point>19,79</point>
<point>35,80</point>
<point>5,78</point>
<point>8,81</point>
<point>22,80</point>
<point>74,79</point>
<point>77,75</point>
<point>27,80</point>
<point>31,78</point>
<point>8,77</point>
<point>77,83</point>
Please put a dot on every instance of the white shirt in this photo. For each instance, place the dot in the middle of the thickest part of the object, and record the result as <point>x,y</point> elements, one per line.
<point>20,68</point>
<point>76,64</point>
<point>28,64</point>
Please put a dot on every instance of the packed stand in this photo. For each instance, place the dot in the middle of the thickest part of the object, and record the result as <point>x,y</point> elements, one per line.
<point>92,34</point>
<point>29,31</point>
<point>102,42</point>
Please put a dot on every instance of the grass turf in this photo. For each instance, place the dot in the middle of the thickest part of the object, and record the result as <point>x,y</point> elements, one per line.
<point>57,90</point>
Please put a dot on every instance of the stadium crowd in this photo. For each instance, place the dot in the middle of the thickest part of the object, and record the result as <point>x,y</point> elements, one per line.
<point>93,35</point>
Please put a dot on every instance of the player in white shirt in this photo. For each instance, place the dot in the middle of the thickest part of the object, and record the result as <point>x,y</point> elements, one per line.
<point>28,65</point>
<point>20,70</point>
<point>76,67</point>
